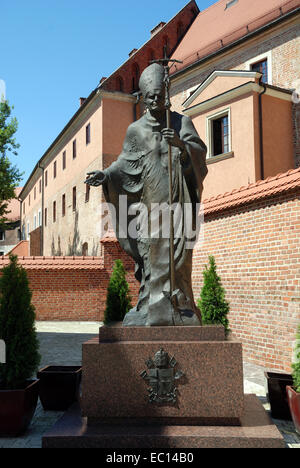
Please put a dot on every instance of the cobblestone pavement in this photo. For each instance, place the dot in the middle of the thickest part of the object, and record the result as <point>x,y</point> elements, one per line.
<point>60,344</point>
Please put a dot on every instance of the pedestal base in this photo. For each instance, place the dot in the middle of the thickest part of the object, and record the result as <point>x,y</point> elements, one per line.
<point>120,379</point>
<point>256,431</point>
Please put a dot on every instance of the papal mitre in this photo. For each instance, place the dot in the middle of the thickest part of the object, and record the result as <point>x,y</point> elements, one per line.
<point>151,78</point>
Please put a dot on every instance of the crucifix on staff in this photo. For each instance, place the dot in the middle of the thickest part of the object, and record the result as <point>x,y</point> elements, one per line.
<point>168,135</point>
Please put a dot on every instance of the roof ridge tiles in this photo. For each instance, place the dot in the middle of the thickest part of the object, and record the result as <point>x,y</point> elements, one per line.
<point>253,185</point>
<point>282,182</point>
<point>46,259</point>
<point>42,263</point>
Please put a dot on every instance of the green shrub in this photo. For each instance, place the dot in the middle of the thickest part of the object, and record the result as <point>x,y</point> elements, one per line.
<point>118,300</point>
<point>296,365</point>
<point>212,304</point>
<point>17,317</point>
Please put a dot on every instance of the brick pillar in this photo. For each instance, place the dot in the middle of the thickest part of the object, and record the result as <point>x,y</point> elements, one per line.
<point>35,242</point>
<point>113,251</point>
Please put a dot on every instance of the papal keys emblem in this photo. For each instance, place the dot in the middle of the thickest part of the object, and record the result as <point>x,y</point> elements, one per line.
<point>161,378</point>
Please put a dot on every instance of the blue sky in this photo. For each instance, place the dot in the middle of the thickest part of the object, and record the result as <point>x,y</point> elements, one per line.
<point>54,51</point>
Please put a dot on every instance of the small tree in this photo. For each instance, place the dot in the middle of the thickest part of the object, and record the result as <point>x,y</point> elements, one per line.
<point>118,300</point>
<point>214,308</point>
<point>9,175</point>
<point>296,365</point>
<point>17,328</point>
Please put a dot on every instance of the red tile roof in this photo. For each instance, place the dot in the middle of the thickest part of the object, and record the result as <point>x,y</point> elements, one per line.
<point>217,26</point>
<point>270,187</point>
<point>57,263</point>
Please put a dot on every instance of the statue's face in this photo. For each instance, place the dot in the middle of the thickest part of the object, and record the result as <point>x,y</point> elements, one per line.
<point>155,99</point>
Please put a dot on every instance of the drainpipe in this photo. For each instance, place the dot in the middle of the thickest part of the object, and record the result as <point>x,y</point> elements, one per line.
<point>261,142</point>
<point>42,214</point>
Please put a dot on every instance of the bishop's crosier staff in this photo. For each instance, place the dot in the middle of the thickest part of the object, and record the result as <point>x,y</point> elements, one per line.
<point>165,62</point>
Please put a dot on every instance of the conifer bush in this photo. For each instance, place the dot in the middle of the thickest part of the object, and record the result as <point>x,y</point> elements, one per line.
<point>212,303</point>
<point>17,328</point>
<point>296,365</point>
<point>118,300</point>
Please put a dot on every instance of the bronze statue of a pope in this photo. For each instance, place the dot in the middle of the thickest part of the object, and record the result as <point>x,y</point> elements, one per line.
<point>141,173</point>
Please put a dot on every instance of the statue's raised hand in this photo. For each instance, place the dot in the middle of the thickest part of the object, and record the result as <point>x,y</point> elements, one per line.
<point>95,178</point>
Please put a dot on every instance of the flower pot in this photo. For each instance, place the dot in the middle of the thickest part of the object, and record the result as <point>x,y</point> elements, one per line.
<point>17,408</point>
<point>294,403</point>
<point>59,386</point>
<point>277,394</point>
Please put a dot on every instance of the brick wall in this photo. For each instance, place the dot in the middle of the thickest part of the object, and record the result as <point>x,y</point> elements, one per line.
<point>68,294</point>
<point>257,252</point>
<point>78,294</point>
<point>67,289</point>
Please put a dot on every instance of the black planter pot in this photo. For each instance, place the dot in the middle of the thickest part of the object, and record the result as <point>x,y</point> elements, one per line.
<point>59,386</point>
<point>277,396</point>
<point>17,408</point>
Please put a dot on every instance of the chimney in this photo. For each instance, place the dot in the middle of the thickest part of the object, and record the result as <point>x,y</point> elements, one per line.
<point>132,52</point>
<point>157,28</point>
<point>81,100</point>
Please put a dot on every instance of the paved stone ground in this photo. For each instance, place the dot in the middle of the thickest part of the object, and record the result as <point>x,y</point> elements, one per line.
<point>60,344</point>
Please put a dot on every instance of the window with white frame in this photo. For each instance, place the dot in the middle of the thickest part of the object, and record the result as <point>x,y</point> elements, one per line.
<point>40,218</point>
<point>28,230</point>
<point>263,64</point>
<point>2,235</point>
<point>35,225</point>
<point>218,133</point>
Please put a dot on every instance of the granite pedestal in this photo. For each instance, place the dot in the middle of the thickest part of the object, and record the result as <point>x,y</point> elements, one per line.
<point>210,392</point>
<point>210,410</point>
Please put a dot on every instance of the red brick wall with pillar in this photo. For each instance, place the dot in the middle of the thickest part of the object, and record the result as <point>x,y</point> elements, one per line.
<point>113,251</point>
<point>257,250</point>
<point>74,288</point>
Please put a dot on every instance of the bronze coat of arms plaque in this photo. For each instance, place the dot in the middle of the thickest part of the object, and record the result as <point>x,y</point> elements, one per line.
<point>161,378</point>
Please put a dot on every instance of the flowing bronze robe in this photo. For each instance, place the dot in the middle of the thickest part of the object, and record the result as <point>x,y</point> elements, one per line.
<point>141,173</point>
